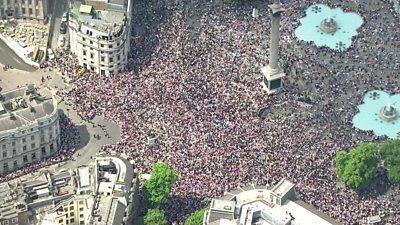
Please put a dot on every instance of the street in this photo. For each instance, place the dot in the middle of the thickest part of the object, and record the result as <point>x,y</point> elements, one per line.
<point>57,8</point>
<point>8,57</point>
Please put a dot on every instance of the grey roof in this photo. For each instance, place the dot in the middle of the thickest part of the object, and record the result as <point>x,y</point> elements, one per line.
<point>20,116</point>
<point>117,213</point>
<point>128,173</point>
<point>214,216</point>
<point>61,176</point>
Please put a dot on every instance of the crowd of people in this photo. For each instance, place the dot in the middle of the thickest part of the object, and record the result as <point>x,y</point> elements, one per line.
<point>69,140</point>
<point>194,84</point>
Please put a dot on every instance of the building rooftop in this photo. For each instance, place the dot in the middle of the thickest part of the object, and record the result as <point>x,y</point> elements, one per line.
<point>256,205</point>
<point>24,106</point>
<point>104,16</point>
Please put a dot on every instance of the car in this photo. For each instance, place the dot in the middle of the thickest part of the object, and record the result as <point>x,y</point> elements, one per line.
<point>61,42</point>
<point>50,54</point>
<point>63,28</point>
<point>64,17</point>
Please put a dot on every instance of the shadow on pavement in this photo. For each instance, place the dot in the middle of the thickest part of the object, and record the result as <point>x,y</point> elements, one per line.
<point>84,136</point>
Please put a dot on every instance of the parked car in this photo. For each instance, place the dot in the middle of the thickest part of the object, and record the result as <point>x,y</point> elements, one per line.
<point>63,28</point>
<point>61,42</point>
<point>64,17</point>
<point>50,54</point>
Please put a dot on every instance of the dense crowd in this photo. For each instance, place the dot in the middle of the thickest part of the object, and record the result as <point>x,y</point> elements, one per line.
<point>69,139</point>
<point>195,85</point>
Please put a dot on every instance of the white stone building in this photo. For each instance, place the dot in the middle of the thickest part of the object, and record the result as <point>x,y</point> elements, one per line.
<point>28,9</point>
<point>100,34</point>
<point>29,127</point>
<point>263,205</point>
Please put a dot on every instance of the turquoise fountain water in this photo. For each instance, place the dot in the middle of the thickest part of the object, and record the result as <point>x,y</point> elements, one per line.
<point>369,117</point>
<point>347,24</point>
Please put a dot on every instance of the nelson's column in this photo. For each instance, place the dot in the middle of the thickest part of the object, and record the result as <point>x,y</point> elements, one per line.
<point>273,73</point>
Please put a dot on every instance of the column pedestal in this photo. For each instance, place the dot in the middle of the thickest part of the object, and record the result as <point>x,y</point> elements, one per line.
<point>272,79</point>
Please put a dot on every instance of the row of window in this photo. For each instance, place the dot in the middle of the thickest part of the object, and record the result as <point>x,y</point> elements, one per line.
<point>25,158</point>
<point>32,137</point>
<point>101,45</point>
<point>102,58</point>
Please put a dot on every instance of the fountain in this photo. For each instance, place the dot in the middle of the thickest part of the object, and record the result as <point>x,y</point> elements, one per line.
<point>379,113</point>
<point>328,25</point>
<point>388,113</point>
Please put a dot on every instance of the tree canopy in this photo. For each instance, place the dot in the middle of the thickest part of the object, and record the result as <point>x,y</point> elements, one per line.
<point>196,218</point>
<point>157,188</point>
<point>358,167</point>
<point>155,217</point>
<point>391,155</point>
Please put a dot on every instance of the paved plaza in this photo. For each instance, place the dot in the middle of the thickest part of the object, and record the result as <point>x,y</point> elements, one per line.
<point>195,86</point>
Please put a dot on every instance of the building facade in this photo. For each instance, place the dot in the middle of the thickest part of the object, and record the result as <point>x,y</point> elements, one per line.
<point>25,9</point>
<point>100,34</point>
<point>263,205</point>
<point>29,127</point>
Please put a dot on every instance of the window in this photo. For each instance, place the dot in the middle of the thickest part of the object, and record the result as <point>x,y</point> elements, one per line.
<point>23,140</point>
<point>51,147</point>
<point>5,154</point>
<point>33,155</point>
<point>43,150</point>
<point>4,147</point>
<point>24,148</point>
<point>15,164</point>
<point>102,58</point>
<point>83,39</point>
<point>91,42</point>
<point>91,55</point>
<point>84,52</point>
<point>42,139</point>
<point>71,208</point>
<point>60,221</point>
<point>51,136</point>
<point>72,220</point>
<point>14,151</point>
<point>5,166</point>
<point>25,158</point>
<point>110,46</point>
<point>118,57</point>
<point>33,145</point>
<point>102,45</point>
<point>13,143</point>
<point>111,59</point>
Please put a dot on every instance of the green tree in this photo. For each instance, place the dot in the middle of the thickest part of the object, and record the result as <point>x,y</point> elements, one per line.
<point>157,188</point>
<point>196,218</point>
<point>391,155</point>
<point>358,167</point>
<point>155,217</point>
<point>341,159</point>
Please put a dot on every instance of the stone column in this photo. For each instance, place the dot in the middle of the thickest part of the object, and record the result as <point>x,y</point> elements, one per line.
<point>274,47</point>
<point>273,74</point>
